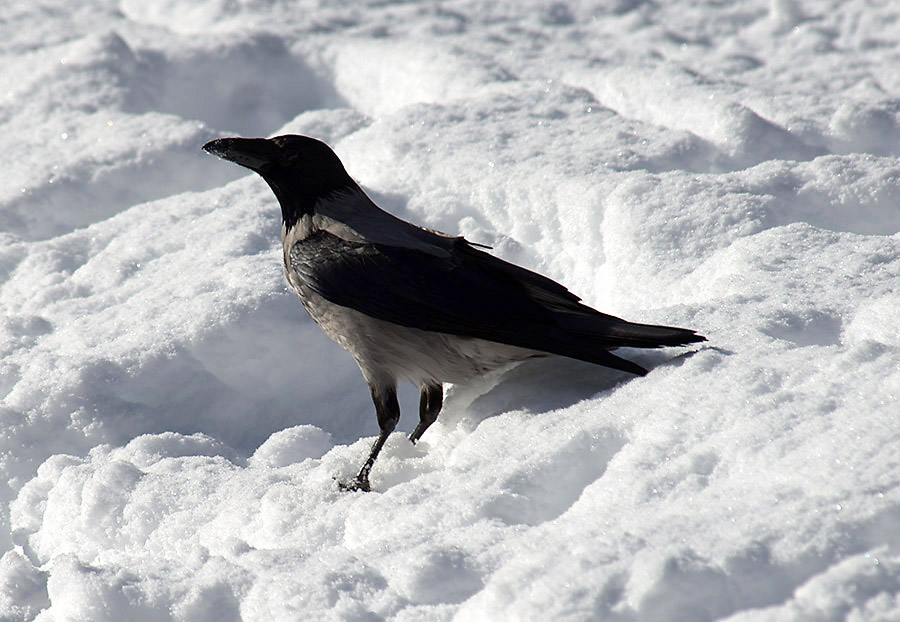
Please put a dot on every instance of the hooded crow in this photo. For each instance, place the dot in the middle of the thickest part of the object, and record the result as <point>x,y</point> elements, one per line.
<point>411,303</point>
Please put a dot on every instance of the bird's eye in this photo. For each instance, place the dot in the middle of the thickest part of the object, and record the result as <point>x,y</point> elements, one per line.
<point>291,158</point>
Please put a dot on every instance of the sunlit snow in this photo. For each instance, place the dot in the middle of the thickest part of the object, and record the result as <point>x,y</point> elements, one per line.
<point>172,422</point>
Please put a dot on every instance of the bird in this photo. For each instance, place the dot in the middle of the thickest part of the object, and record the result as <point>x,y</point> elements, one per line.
<point>411,303</point>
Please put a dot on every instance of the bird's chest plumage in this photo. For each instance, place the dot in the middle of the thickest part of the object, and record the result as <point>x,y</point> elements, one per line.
<point>297,233</point>
<point>304,233</point>
<point>303,244</point>
<point>307,233</point>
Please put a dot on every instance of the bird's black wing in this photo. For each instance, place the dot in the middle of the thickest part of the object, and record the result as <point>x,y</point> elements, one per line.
<point>469,293</point>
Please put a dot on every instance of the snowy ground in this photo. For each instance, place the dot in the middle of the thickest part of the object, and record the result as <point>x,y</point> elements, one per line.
<point>172,421</point>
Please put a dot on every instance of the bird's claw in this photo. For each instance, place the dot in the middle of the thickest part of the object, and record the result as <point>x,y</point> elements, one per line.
<point>356,484</point>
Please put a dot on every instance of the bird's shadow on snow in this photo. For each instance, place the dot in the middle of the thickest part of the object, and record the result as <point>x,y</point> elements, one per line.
<point>398,205</point>
<point>544,384</point>
<point>393,203</point>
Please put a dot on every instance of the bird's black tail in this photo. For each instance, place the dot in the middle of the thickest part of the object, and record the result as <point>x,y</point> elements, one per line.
<point>649,335</point>
<point>591,338</point>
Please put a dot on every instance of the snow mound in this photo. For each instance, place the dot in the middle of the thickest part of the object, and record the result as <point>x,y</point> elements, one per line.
<point>173,423</point>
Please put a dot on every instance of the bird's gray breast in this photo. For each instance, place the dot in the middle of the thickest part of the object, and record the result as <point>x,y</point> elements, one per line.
<point>307,259</point>
<point>319,252</point>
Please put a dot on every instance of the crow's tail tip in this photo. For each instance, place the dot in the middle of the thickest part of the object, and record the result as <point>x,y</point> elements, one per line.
<point>695,338</point>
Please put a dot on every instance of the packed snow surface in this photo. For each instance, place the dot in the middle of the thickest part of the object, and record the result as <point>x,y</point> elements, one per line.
<point>173,422</point>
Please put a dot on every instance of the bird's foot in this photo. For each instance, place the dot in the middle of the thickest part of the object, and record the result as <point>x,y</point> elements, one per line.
<point>358,483</point>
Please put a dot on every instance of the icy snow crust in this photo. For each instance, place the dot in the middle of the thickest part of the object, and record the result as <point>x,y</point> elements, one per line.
<point>172,421</point>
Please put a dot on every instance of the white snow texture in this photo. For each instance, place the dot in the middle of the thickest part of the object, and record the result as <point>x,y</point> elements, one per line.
<point>172,422</point>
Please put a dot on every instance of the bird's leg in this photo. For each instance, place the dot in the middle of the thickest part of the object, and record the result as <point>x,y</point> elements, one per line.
<point>430,401</point>
<point>388,411</point>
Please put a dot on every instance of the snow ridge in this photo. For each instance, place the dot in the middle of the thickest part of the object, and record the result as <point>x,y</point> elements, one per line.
<point>173,423</point>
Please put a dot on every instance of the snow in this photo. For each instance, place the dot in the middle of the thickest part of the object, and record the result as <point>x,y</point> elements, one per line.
<point>173,422</point>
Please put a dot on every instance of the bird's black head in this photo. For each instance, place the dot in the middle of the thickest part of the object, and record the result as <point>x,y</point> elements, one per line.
<point>299,169</point>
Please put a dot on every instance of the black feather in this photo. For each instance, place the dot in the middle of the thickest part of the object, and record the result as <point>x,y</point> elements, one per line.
<point>470,294</point>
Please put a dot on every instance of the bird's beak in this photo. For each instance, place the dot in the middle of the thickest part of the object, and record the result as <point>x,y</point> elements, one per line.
<point>257,154</point>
